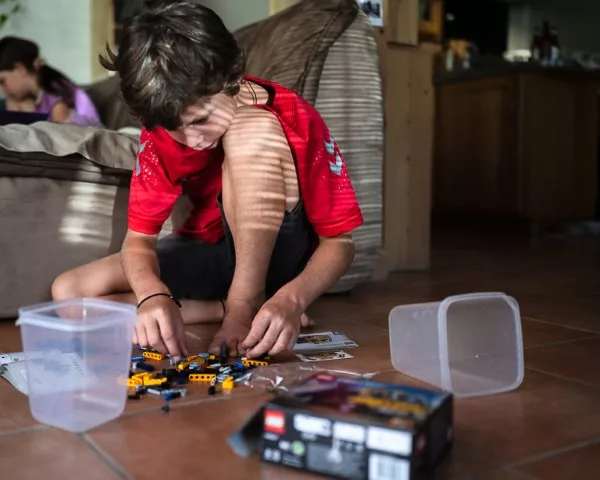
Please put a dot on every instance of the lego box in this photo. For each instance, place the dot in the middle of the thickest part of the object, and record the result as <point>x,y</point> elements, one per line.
<point>353,428</point>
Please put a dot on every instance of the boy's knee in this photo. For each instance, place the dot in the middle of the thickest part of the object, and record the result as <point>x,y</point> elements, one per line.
<point>64,287</point>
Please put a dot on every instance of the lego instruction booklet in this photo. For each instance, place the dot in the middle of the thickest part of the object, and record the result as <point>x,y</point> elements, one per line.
<point>13,368</point>
<point>320,342</point>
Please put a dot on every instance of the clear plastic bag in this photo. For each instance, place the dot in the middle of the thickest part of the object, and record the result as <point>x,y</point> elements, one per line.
<point>282,377</point>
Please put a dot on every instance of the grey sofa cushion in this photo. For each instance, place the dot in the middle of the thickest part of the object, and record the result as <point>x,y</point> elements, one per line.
<point>66,152</point>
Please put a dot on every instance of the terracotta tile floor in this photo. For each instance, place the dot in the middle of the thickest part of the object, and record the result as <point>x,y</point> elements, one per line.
<point>548,429</point>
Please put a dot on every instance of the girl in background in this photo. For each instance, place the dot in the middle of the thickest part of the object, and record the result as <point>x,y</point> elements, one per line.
<point>30,84</point>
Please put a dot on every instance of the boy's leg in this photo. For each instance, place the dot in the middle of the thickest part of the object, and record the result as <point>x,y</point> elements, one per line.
<point>260,198</point>
<point>104,278</point>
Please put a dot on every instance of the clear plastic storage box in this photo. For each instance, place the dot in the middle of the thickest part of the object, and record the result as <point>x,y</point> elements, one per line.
<point>469,345</point>
<point>78,354</point>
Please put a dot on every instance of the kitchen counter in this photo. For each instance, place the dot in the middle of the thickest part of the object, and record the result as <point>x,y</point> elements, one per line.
<point>520,142</point>
<point>506,68</point>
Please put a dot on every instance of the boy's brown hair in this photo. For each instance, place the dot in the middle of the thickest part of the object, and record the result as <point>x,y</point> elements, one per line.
<point>171,55</point>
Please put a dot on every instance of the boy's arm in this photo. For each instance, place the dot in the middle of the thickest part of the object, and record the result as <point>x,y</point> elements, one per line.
<point>333,211</point>
<point>329,262</point>
<point>151,200</point>
<point>140,264</point>
<point>277,325</point>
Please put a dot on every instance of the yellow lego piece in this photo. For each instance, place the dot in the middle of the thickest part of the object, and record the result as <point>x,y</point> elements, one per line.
<point>142,375</point>
<point>228,383</point>
<point>154,381</point>
<point>254,363</point>
<point>134,382</point>
<point>194,359</point>
<point>153,355</point>
<point>201,377</point>
<point>181,366</point>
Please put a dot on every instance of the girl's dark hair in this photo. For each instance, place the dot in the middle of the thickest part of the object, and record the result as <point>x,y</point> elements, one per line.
<point>171,55</point>
<point>15,50</point>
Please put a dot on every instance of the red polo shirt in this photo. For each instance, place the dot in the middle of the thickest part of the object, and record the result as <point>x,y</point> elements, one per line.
<point>165,169</point>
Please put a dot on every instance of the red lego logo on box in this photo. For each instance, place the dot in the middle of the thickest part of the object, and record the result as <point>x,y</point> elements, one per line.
<point>275,422</point>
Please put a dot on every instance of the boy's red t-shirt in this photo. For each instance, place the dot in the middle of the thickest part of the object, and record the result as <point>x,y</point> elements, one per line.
<point>165,169</point>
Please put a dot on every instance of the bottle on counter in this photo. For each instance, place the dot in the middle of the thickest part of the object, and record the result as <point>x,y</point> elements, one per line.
<point>545,44</point>
<point>554,57</point>
<point>536,45</point>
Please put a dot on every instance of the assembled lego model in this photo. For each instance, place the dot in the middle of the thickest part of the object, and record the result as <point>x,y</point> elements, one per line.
<point>168,383</point>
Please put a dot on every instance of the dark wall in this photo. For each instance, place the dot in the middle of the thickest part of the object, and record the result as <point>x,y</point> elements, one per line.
<point>484,22</point>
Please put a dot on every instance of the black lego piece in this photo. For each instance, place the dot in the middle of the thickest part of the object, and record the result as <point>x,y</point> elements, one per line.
<point>224,353</point>
<point>145,367</point>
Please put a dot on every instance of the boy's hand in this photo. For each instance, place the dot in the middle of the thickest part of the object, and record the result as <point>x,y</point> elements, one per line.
<point>160,326</point>
<point>275,328</point>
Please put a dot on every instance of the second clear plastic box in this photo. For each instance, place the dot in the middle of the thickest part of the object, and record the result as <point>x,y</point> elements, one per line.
<point>78,354</point>
<point>469,345</point>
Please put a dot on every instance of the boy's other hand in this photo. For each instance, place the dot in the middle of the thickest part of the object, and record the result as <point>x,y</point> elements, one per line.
<point>275,328</point>
<point>160,326</point>
<point>236,325</point>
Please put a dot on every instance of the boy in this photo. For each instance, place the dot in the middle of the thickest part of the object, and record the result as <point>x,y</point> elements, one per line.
<point>273,207</point>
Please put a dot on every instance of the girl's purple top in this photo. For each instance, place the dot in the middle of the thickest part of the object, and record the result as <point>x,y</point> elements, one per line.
<point>84,114</point>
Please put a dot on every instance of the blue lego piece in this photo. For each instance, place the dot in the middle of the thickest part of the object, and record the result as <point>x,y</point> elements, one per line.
<point>137,358</point>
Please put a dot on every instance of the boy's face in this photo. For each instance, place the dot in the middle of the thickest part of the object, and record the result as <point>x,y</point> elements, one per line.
<point>205,122</point>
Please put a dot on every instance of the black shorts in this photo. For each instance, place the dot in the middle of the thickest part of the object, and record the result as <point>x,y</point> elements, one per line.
<point>196,270</point>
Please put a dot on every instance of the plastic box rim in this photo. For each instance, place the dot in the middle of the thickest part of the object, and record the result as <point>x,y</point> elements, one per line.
<point>35,315</point>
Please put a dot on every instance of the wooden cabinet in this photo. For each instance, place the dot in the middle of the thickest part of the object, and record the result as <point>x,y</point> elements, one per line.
<point>519,145</point>
<point>410,22</point>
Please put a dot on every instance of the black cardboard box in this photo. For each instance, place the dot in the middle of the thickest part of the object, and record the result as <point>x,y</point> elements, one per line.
<point>353,428</point>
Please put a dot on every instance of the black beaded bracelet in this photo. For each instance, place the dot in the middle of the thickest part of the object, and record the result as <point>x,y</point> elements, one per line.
<point>177,302</point>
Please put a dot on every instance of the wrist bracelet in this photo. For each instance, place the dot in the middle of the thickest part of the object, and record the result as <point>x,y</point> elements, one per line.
<point>161,294</point>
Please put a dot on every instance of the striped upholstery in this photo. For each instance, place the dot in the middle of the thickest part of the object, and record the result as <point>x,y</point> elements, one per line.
<point>350,101</point>
<point>325,50</point>
<point>290,48</point>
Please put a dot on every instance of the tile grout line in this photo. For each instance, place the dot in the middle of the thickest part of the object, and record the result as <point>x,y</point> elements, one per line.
<point>181,404</point>
<point>519,474</point>
<point>563,342</point>
<point>506,469</point>
<point>110,462</point>
<point>554,324</point>
<point>560,377</point>
<point>18,431</point>
<point>554,453</point>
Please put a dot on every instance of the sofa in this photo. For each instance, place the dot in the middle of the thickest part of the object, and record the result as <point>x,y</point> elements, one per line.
<point>64,189</point>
